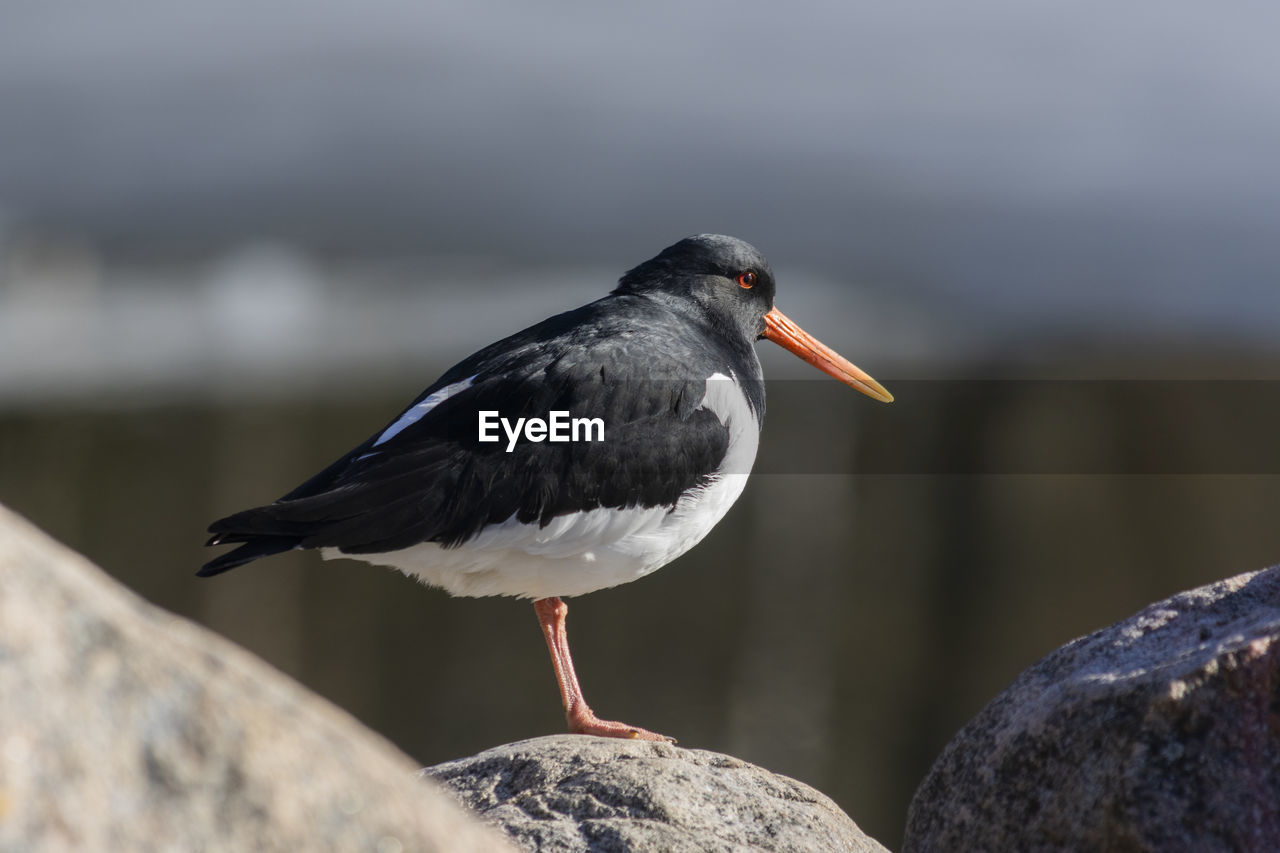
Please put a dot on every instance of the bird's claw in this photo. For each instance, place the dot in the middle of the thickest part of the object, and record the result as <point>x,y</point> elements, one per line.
<point>589,724</point>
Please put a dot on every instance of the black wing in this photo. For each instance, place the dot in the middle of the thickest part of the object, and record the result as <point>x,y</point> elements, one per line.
<point>434,481</point>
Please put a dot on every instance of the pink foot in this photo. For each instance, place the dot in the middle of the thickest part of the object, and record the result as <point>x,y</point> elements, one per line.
<point>585,722</point>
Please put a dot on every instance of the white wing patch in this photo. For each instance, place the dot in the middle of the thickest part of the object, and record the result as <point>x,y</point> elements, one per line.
<point>724,399</point>
<point>585,551</point>
<point>416,414</point>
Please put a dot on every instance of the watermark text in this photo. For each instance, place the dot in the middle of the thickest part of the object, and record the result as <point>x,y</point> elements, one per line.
<point>559,426</point>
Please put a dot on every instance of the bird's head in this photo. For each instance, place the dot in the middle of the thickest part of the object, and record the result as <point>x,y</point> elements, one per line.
<point>730,283</point>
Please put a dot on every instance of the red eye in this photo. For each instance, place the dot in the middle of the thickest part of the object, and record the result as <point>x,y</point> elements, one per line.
<point>747,280</point>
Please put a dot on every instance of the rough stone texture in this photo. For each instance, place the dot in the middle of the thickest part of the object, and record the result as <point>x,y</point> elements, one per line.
<point>126,728</point>
<point>571,793</point>
<point>1159,733</point>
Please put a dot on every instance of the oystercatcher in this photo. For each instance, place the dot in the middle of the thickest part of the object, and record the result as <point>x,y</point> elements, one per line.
<point>581,453</point>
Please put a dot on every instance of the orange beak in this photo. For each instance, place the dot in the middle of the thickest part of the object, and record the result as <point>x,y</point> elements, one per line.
<point>788,335</point>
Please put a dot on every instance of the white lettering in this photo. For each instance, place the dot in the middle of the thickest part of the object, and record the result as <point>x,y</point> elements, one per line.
<point>512,434</point>
<point>487,424</point>
<point>558,428</point>
<point>587,424</point>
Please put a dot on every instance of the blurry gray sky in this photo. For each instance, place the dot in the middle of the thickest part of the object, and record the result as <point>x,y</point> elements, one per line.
<point>1092,163</point>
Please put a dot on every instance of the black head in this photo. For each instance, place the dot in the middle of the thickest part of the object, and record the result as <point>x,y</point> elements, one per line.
<point>724,279</point>
<point>729,284</point>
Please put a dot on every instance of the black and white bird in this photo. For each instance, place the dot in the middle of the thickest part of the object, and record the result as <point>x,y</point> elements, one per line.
<point>663,379</point>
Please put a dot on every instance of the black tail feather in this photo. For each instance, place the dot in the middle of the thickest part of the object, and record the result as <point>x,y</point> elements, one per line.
<point>249,551</point>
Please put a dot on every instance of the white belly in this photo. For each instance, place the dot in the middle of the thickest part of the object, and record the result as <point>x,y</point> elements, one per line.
<point>596,549</point>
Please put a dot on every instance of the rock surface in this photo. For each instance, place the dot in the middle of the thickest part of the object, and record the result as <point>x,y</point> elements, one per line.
<point>126,728</point>
<point>1159,733</point>
<point>574,793</point>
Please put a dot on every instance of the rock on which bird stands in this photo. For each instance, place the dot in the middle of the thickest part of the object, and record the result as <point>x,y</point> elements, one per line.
<point>1159,733</point>
<point>572,793</point>
<point>123,727</point>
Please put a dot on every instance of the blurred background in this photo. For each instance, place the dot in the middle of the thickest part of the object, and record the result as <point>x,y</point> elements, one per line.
<point>236,238</point>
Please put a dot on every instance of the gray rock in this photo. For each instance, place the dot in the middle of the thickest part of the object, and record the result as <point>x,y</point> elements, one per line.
<point>1159,733</point>
<point>123,727</point>
<point>571,793</point>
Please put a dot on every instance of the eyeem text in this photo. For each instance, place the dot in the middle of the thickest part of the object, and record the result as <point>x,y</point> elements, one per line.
<point>558,427</point>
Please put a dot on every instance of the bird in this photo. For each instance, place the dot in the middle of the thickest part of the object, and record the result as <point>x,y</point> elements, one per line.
<point>467,490</point>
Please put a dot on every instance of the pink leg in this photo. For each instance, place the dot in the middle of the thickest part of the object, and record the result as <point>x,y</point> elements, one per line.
<point>581,719</point>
